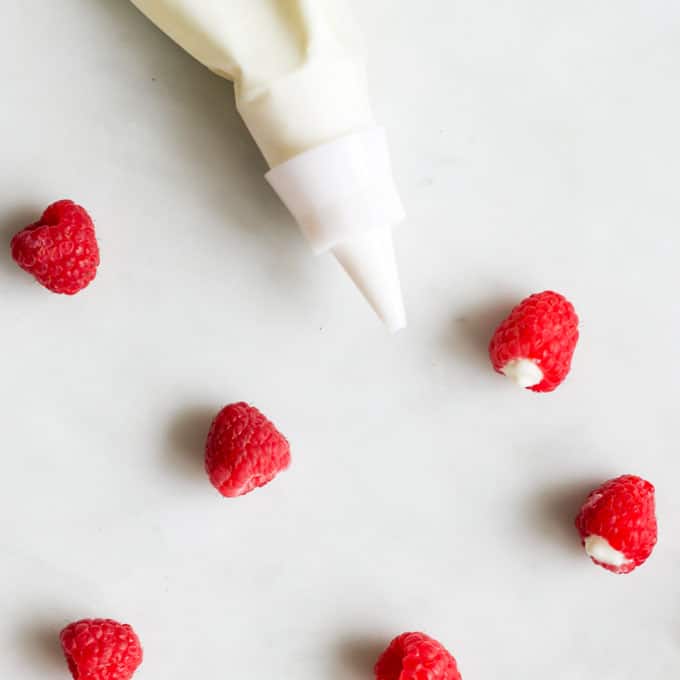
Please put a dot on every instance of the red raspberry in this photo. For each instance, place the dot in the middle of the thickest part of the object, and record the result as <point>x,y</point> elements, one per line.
<point>101,649</point>
<point>60,250</point>
<point>535,344</point>
<point>416,656</point>
<point>617,524</point>
<point>244,450</point>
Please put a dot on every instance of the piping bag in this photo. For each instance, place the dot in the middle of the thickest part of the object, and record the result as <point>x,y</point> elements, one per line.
<point>300,85</point>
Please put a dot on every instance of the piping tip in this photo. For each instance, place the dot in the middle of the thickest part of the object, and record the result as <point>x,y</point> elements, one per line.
<point>370,262</point>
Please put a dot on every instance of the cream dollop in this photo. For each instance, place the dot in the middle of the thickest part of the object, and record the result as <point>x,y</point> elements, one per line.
<point>523,372</point>
<point>599,549</point>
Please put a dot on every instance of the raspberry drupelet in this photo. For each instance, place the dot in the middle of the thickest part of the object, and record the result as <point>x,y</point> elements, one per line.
<point>416,656</point>
<point>244,450</point>
<point>617,524</point>
<point>534,346</point>
<point>60,250</point>
<point>101,649</point>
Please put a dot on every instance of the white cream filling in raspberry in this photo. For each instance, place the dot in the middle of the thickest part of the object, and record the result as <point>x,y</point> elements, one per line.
<point>599,549</point>
<point>523,372</point>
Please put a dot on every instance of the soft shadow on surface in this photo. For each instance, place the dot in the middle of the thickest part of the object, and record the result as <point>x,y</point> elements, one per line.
<point>11,222</point>
<point>204,130</point>
<point>184,452</point>
<point>468,335</point>
<point>39,643</point>
<point>356,658</point>
<point>552,511</point>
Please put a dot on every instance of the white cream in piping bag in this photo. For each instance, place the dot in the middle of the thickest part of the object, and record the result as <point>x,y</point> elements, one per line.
<point>301,89</point>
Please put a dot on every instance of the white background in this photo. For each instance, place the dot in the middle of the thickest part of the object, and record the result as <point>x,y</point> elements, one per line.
<point>537,146</point>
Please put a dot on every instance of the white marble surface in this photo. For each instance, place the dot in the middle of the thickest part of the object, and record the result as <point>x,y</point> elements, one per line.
<point>537,146</point>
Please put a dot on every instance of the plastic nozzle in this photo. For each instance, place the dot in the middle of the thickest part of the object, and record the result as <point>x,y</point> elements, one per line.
<point>343,197</point>
<point>370,262</point>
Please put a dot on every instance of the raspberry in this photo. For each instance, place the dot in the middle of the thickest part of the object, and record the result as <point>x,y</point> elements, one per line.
<point>60,250</point>
<point>101,649</point>
<point>416,656</point>
<point>617,524</point>
<point>244,450</point>
<point>535,344</point>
